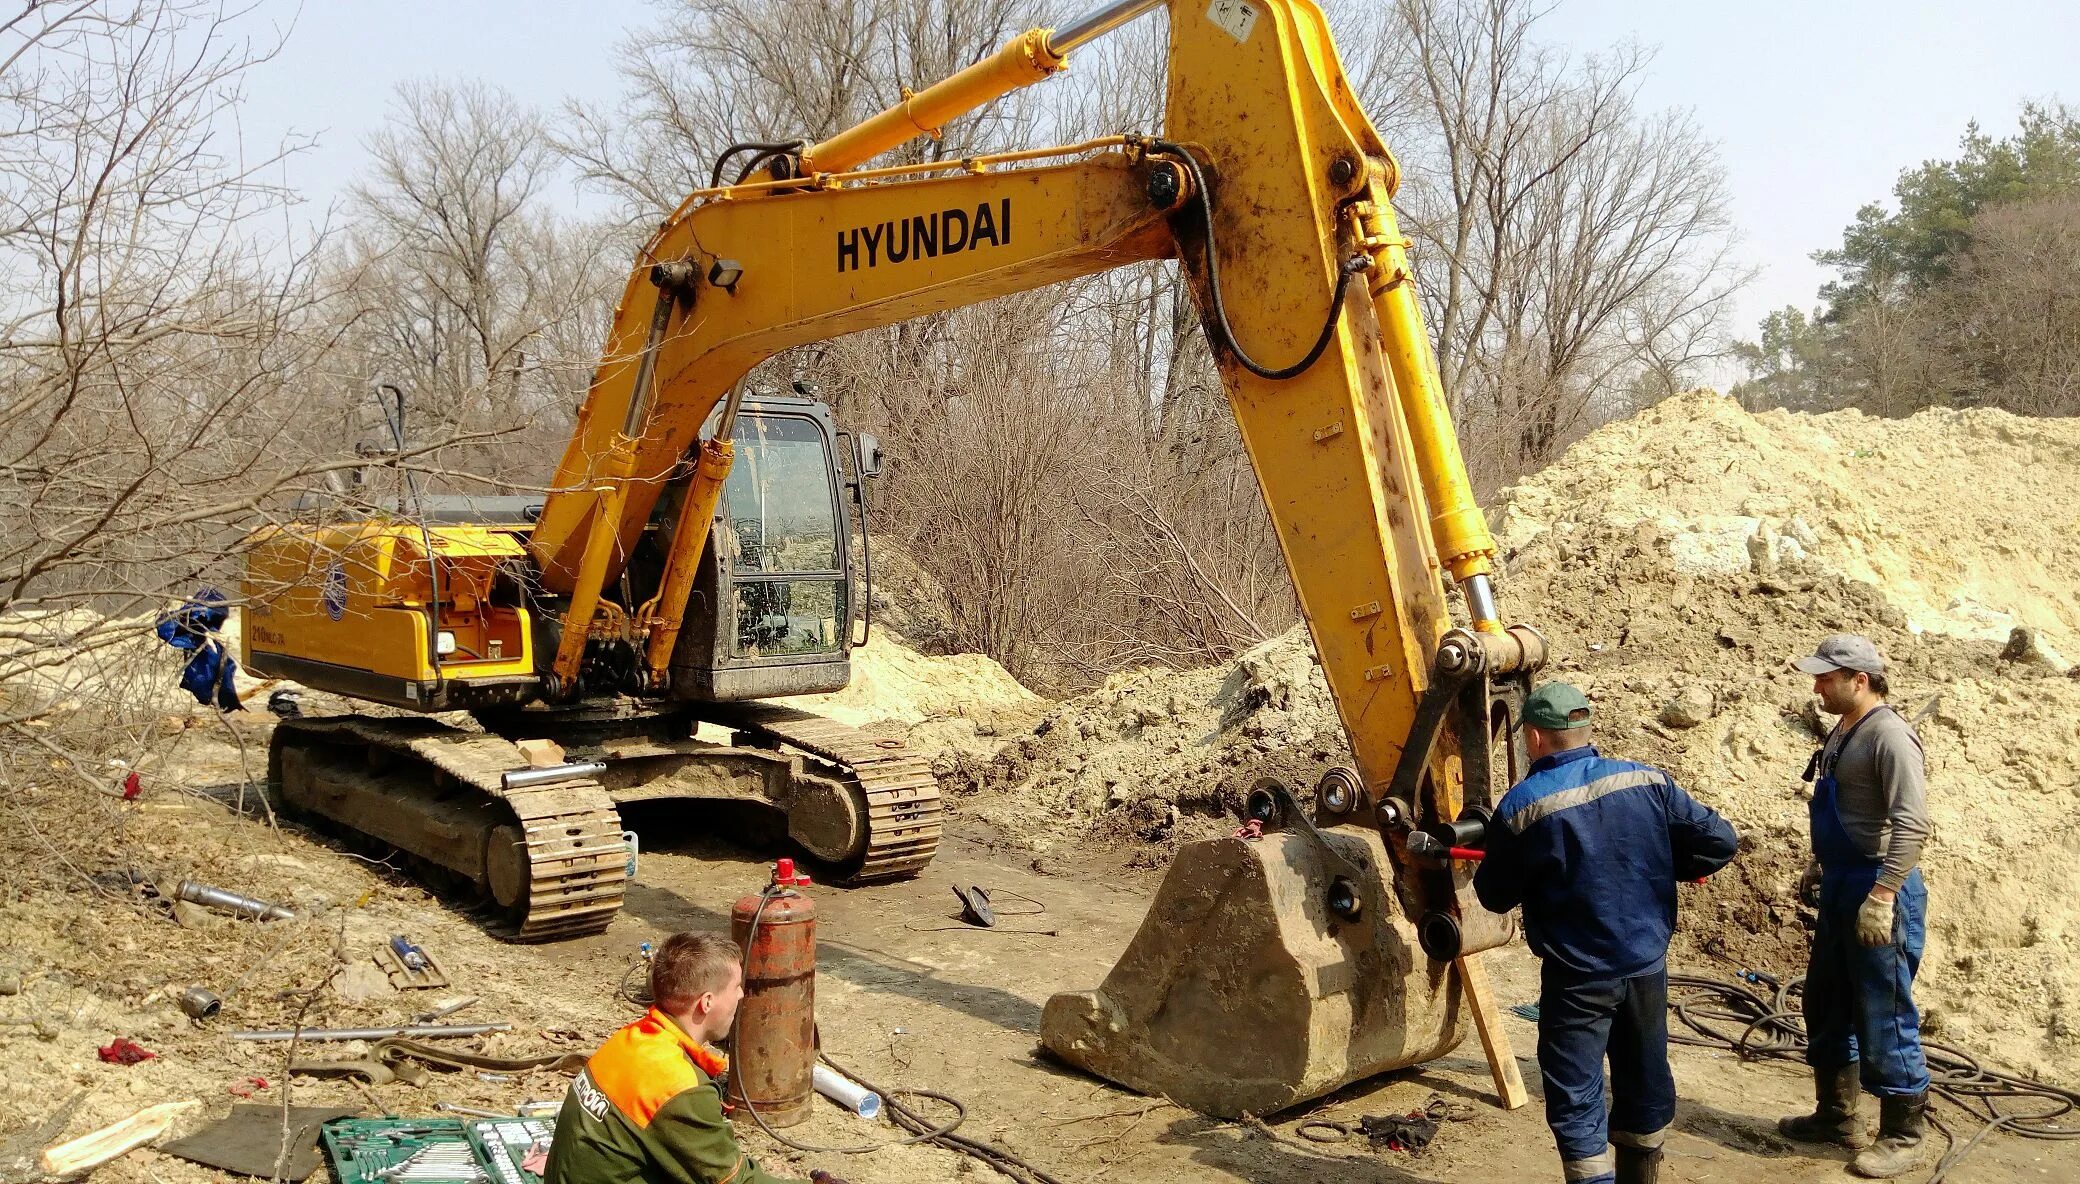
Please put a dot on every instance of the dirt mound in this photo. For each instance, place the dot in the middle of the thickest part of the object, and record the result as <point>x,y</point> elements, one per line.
<point>1156,757</point>
<point>893,683</point>
<point>1629,553</point>
<point>1676,561</point>
<point>1964,518</point>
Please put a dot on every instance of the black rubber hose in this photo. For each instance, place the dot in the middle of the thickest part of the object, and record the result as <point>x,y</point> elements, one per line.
<point>1955,1075</point>
<point>1350,267</point>
<point>766,151</point>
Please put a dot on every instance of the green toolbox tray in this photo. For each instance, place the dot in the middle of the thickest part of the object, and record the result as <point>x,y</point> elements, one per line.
<point>433,1150</point>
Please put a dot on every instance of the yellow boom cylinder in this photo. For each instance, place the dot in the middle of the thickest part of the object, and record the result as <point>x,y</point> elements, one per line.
<point>1024,60</point>
<point>689,539</point>
<point>599,549</point>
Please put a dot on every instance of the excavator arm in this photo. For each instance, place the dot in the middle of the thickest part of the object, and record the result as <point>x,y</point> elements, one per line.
<point>1274,191</point>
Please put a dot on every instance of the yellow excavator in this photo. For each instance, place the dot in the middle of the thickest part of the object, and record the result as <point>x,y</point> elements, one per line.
<point>658,583</point>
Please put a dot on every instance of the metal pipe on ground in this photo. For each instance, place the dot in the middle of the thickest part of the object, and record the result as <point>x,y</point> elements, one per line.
<point>232,902</point>
<point>417,1032</point>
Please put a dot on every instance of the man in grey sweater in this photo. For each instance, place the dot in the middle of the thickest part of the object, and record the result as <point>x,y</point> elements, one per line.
<point>1869,816</point>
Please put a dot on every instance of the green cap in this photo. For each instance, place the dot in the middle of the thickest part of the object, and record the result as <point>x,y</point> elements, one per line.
<point>1557,706</point>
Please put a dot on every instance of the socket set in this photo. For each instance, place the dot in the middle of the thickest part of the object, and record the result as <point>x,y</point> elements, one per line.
<point>434,1150</point>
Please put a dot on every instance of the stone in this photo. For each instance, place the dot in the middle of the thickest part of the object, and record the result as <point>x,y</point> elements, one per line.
<point>194,916</point>
<point>2025,646</point>
<point>1691,707</point>
<point>362,982</point>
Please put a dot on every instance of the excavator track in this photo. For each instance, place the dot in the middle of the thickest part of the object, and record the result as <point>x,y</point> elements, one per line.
<point>901,802</point>
<point>552,856</point>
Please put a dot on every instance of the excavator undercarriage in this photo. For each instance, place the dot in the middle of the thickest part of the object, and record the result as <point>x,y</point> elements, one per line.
<point>550,858</point>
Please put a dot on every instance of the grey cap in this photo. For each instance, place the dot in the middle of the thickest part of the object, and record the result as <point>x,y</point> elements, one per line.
<point>1843,651</point>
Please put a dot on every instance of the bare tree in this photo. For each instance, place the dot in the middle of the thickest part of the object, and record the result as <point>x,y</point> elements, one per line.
<point>461,283</point>
<point>151,318</point>
<point>168,368</point>
<point>1567,241</point>
<point>2009,316</point>
<point>157,322</point>
<point>714,73</point>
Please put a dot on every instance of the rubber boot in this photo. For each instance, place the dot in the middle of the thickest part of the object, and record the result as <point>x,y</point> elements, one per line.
<point>1835,1119</point>
<point>1902,1136</point>
<point>1638,1165</point>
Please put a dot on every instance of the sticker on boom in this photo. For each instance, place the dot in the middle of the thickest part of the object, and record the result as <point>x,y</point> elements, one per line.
<point>1236,17</point>
<point>925,236</point>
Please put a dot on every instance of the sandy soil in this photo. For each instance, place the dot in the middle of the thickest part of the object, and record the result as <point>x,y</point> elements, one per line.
<point>1675,560</point>
<point>906,998</point>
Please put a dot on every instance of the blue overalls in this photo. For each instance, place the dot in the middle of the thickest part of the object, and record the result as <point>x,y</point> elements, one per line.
<point>1859,1000</point>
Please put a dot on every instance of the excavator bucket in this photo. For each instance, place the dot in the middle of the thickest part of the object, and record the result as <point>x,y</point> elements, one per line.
<point>1243,993</point>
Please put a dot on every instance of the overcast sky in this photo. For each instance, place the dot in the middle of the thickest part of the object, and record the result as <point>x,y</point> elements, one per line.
<point>1817,104</point>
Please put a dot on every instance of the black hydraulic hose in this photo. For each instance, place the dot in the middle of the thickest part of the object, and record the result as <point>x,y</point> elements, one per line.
<point>989,1153</point>
<point>1955,1075</point>
<point>866,553</point>
<point>765,151</point>
<point>1350,267</point>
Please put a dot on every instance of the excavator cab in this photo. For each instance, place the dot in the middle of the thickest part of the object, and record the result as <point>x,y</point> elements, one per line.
<point>773,604</point>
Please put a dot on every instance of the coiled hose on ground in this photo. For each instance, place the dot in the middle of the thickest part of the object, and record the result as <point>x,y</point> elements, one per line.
<point>1770,1027</point>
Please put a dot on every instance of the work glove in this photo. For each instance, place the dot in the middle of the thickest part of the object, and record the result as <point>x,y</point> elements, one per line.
<point>1809,885</point>
<point>1874,921</point>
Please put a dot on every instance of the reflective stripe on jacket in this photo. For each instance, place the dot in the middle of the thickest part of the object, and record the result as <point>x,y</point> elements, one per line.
<point>1592,849</point>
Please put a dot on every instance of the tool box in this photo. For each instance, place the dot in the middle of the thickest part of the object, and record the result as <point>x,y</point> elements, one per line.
<point>434,1150</point>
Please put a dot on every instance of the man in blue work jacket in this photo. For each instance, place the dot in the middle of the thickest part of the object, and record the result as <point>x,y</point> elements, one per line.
<point>1869,814</point>
<point>1592,848</point>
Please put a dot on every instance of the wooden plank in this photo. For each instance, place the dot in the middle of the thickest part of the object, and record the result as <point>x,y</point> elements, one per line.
<point>1502,1060</point>
<point>97,1148</point>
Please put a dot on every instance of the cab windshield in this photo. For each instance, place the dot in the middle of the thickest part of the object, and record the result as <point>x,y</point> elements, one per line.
<point>780,518</point>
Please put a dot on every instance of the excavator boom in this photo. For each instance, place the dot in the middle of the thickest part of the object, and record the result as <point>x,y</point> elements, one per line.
<point>1336,944</point>
<point>1272,188</point>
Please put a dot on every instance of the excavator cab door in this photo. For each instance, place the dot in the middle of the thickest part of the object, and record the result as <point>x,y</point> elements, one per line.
<point>771,611</point>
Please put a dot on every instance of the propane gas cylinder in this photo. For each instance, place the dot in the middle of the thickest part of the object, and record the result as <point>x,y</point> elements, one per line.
<point>773,1050</point>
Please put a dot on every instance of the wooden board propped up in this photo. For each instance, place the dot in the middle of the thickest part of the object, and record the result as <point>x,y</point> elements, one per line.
<point>404,978</point>
<point>1502,1060</point>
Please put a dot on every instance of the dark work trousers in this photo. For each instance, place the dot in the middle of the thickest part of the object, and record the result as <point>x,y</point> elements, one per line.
<point>1579,1023</point>
<point>1859,1000</point>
